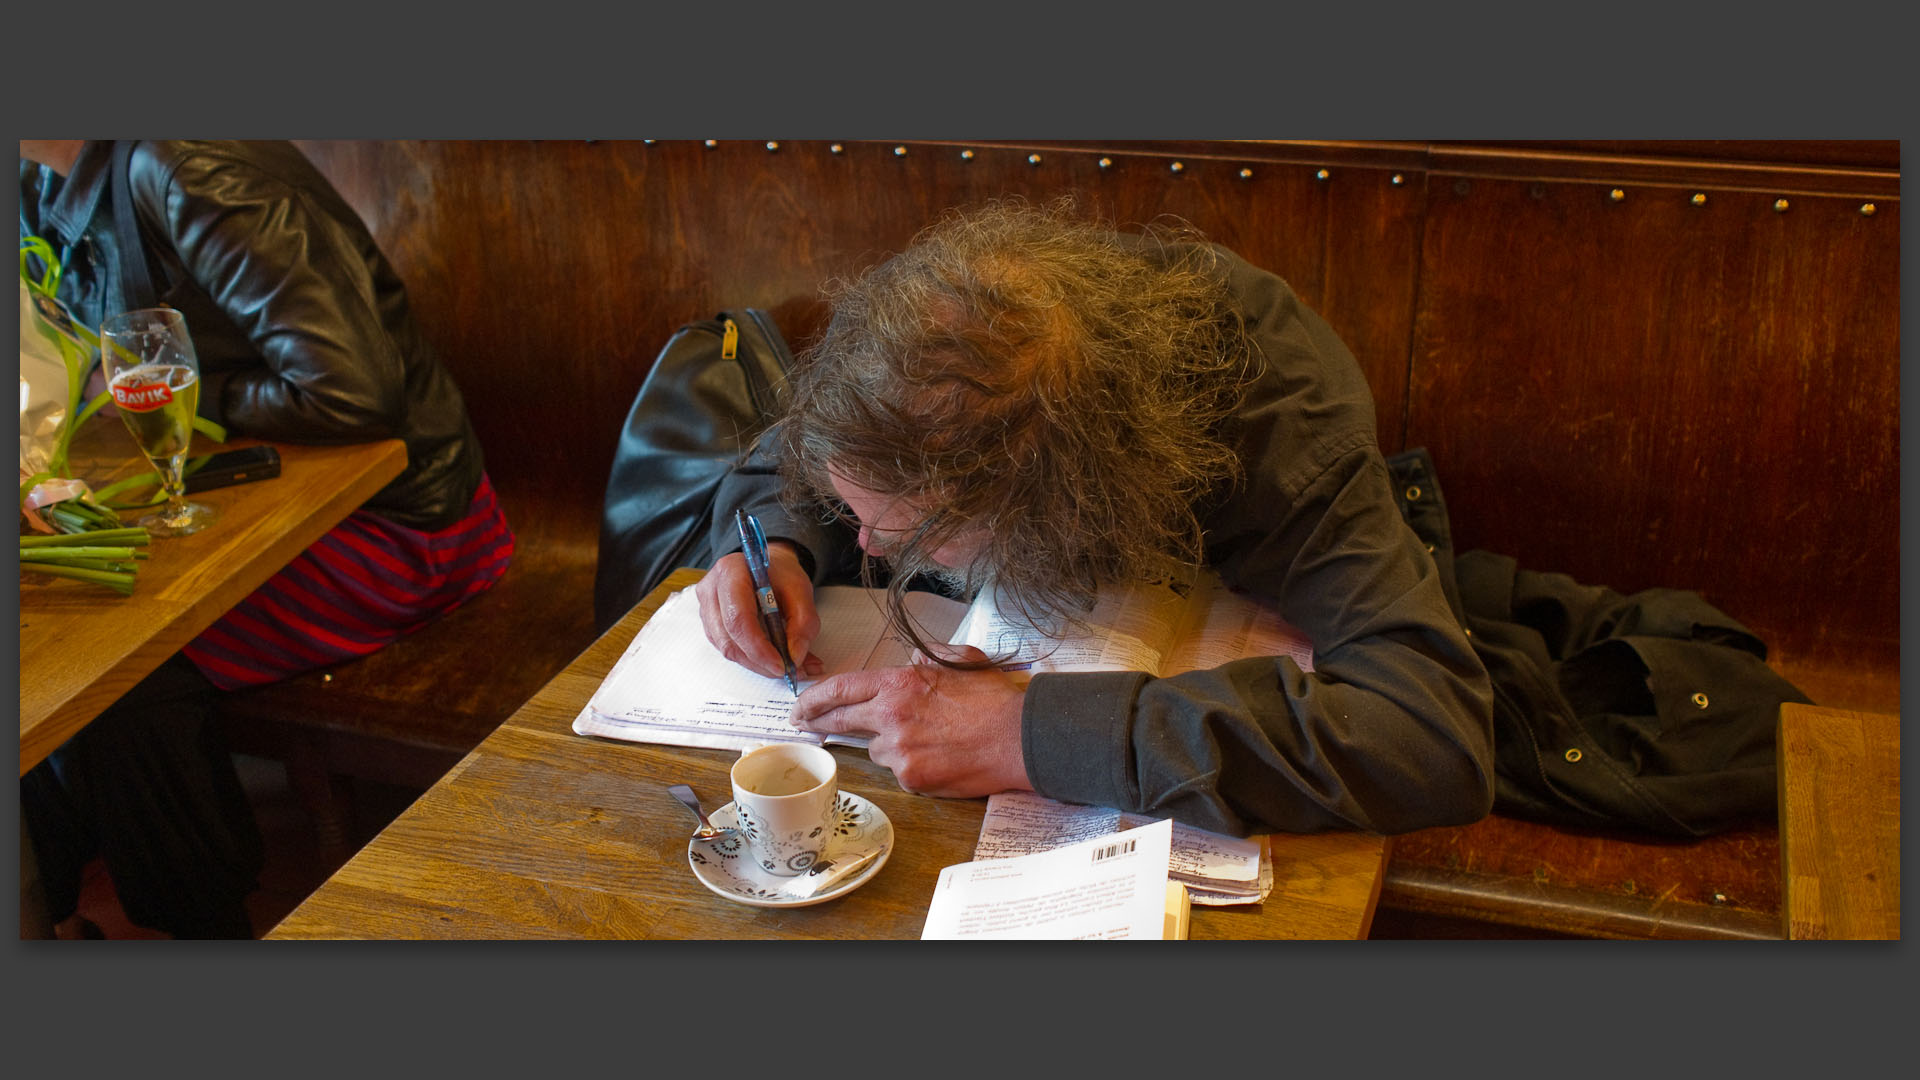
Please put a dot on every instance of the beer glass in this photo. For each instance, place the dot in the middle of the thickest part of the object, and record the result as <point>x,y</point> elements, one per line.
<point>154,377</point>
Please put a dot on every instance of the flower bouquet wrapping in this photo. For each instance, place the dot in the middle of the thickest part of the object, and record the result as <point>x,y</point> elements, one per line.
<point>69,530</point>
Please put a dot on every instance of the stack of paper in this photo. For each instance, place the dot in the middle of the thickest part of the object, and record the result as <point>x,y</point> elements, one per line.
<point>672,686</point>
<point>1217,870</point>
<point>1104,888</point>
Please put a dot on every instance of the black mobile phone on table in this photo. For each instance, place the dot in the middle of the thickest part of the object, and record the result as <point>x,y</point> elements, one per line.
<point>229,467</point>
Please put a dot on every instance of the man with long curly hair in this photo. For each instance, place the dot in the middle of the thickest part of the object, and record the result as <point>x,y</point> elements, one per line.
<point>1031,400</point>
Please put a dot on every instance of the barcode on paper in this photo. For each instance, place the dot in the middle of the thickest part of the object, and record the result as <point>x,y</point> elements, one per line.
<point>1110,850</point>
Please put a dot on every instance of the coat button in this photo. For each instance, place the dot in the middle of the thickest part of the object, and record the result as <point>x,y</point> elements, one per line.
<point>1573,754</point>
<point>1699,700</point>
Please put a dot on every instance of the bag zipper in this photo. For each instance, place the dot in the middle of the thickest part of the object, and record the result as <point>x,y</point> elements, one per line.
<point>768,392</point>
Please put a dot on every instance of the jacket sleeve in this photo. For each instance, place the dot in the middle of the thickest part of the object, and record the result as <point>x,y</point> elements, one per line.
<point>827,548</point>
<point>1391,731</point>
<point>291,277</point>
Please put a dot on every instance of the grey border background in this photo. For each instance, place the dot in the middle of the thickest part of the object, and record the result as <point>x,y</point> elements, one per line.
<point>570,70</point>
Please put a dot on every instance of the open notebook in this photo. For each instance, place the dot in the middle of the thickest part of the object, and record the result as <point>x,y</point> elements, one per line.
<point>671,686</point>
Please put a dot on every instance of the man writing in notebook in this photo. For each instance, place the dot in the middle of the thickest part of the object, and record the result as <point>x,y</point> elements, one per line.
<point>1024,398</point>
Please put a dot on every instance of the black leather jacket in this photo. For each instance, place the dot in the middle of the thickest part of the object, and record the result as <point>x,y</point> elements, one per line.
<point>301,326</point>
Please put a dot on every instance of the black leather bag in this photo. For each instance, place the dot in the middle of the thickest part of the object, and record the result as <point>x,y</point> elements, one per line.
<point>714,388</point>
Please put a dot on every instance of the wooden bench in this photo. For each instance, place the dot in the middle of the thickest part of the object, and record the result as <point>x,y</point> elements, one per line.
<point>1623,358</point>
<point>406,714</point>
<point>1511,878</point>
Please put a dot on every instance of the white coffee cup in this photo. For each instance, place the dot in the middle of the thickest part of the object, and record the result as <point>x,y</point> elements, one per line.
<point>783,798</point>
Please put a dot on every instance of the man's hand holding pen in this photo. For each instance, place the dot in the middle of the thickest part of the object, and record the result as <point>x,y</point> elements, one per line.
<point>730,612</point>
<point>753,546</point>
<point>941,731</point>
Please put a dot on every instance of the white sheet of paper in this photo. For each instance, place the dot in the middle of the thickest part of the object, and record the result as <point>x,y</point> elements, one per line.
<point>1199,854</point>
<point>1103,888</point>
<point>1234,627</point>
<point>1133,622</point>
<point>712,702</point>
<point>672,686</point>
<point>1021,822</point>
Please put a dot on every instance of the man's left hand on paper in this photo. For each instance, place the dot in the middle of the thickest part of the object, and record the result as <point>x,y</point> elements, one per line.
<point>946,732</point>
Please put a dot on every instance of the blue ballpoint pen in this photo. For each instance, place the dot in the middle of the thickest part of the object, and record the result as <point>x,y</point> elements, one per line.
<point>753,544</point>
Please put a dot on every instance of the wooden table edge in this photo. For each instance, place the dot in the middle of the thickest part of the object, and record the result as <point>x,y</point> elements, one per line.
<point>40,736</point>
<point>1805,914</point>
<point>1375,848</point>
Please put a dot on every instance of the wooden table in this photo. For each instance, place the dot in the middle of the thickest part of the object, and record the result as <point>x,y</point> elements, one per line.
<point>82,646</point>
<point>1840,822</point>
<point>541,833</point>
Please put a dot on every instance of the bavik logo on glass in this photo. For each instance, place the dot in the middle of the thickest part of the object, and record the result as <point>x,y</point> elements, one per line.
<point>144,397</point>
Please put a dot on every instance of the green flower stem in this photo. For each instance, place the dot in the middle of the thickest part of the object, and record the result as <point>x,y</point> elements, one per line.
<point>115,565</point>
<point>121,583</point>
<point>93,406</point>
<point>65,520</point>
<point>132,534</point>
<point>102,517</point>
<point>138,480</point>
<point>70,554</point>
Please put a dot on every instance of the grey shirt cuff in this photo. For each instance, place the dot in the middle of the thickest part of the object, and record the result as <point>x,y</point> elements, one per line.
<point>1075,737</point>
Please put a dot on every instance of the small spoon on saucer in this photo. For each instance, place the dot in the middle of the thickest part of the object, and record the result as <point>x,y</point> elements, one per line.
<point>706,831</point>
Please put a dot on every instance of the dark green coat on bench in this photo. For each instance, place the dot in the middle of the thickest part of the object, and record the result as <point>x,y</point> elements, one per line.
<point>1655,710</point>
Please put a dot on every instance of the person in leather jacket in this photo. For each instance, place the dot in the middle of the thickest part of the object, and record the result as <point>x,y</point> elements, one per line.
<point>304,335</point>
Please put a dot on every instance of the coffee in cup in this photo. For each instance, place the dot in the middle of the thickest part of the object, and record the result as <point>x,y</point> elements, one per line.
<point>783,798</point>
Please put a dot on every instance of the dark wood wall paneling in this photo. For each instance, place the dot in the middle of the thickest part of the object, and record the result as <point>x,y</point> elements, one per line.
<point>1636,392</point>
<point>550,273</point>
<point>1643,392</point>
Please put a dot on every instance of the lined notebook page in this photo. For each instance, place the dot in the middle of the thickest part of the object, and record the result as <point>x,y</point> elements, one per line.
<point>672,686</point>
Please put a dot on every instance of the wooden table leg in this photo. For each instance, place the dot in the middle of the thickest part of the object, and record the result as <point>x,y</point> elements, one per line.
<point>1840,823</point>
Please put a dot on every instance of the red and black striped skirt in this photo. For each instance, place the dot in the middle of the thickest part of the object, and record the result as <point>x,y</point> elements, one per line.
<point>362,585</point>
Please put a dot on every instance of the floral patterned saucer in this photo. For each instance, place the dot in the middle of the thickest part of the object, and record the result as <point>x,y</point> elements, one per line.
<point>726,867</point>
